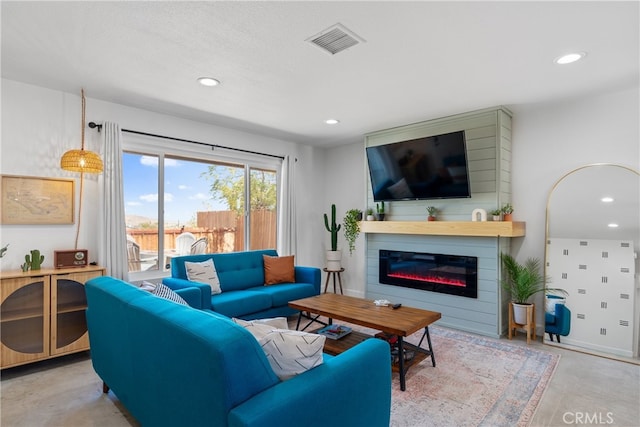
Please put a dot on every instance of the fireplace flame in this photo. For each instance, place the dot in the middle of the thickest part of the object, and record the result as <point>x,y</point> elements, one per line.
<point>430,278</point>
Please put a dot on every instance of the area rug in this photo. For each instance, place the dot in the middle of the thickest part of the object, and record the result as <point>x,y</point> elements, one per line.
<point>477,381</point>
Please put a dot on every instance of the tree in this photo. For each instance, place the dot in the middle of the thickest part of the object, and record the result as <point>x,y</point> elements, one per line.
<point>227,186</point>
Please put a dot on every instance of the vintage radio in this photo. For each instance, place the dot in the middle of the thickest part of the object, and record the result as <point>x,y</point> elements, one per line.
<point>70,258</point>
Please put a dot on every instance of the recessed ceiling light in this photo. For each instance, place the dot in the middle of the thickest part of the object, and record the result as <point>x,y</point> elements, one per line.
<point>208,81</point>
<point>606,199</point>
<point>569,58</point>
<point>612,225</point>
<point>332,121</point>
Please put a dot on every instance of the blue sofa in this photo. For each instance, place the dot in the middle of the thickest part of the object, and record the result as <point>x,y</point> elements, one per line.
<point>173,365</point>
<point>241,277</point>
<point>559,322</point>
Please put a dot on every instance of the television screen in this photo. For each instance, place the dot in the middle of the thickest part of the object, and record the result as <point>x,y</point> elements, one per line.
<point>434,167</point>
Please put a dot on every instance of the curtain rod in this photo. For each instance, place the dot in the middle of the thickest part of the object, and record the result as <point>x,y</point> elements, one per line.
<point>93,125</point>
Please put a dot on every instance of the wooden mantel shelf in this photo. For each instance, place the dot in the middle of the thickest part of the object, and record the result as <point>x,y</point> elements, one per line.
<point>447,228</point>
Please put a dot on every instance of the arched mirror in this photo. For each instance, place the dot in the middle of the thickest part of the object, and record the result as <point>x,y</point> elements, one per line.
<point>592,242</point>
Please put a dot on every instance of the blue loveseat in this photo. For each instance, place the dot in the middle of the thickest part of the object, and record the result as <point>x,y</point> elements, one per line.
<point>174,365</point>
<point>244,294</point>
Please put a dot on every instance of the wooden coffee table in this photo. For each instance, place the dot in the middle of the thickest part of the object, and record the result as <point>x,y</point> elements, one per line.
<point>401,322</point>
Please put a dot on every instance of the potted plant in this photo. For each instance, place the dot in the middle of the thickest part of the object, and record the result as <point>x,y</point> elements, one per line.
<point>507,210</point>
<point>495,214</point>
<point>432,213</point>
<point>334,256</point>
<point>521,282</point>
<point>380,210</point>
<point>370,216</point>
<point>352,227</point>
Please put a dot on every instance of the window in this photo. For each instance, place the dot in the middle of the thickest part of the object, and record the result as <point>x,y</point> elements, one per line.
<point>182,203</point>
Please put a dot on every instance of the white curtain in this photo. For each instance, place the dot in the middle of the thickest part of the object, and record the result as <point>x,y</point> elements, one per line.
<point>287,212</point>
<point>112,232</point>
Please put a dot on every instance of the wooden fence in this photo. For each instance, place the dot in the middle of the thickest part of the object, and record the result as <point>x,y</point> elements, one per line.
<point>223,229</point>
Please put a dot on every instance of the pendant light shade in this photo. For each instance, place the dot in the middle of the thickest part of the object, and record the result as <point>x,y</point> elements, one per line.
<point>82,160</point>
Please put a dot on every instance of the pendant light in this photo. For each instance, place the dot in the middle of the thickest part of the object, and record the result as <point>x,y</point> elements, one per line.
<point>82,160</point>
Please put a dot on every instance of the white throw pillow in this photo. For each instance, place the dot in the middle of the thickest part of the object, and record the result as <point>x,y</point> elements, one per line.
<point>163,291</point>
<point>292,352</point>
<point>147,286</point>
<point>204,272</point>
<point>259,328</point>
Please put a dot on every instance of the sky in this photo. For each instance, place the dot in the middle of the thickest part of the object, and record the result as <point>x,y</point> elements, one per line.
<point>186,192</point>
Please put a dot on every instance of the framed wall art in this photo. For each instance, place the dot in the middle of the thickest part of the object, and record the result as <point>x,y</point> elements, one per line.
<point>36,200</point>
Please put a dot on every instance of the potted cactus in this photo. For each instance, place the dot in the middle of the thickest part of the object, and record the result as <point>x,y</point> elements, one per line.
<point>380,210</point>
<point>334,255</point>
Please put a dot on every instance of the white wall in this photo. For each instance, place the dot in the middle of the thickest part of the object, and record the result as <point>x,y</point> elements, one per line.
<point>345,186</point>
<point>550,140</point>
<point>39,125</point>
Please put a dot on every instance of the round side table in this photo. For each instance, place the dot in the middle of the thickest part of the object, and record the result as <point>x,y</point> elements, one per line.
<point>333,273</point>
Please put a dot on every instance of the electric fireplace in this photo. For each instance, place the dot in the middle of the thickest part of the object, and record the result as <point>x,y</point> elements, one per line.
<point>448,274</point>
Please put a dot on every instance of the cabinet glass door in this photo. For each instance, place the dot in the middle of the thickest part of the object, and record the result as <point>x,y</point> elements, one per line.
<point>24,321</point>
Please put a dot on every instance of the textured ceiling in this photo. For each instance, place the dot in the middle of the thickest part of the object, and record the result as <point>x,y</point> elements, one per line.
<point>420,60</point>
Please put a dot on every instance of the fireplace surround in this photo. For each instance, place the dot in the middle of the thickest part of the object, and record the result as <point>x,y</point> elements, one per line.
<point>448,274</point>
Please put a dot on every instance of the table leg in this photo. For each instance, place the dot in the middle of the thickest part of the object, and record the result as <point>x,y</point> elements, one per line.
<point>401,371</point>
<point>340,282</point>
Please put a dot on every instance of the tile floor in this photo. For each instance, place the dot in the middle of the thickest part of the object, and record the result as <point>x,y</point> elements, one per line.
<point>585,390</point>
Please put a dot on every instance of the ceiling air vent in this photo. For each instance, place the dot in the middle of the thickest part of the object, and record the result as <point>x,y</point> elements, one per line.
<point>335,39</point>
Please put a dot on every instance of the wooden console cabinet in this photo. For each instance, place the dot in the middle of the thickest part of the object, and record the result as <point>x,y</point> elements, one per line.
<point>43,313</point>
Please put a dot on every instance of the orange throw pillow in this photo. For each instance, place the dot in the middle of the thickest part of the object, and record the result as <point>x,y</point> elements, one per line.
<point>278,269</point>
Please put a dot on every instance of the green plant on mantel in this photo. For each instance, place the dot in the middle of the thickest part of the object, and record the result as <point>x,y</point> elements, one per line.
<point>507,208</point>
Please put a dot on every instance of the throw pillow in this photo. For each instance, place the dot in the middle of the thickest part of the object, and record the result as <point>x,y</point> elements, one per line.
<point>204,272</point>
<point>292,352</point>
<point>278,269</point>
<point>147,286</point>
<point>163,291</point>
<point>259,328</point>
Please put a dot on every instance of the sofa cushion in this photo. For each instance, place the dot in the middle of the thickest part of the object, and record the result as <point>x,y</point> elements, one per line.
<point>241,270</point>
<point>165,292</point>
<point>281,294</point>
<point>278,269</point>
<point>240,303</point>
<point>204,272</point>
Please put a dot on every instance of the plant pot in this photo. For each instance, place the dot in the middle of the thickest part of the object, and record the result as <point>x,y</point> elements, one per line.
<point>380,217</point>
<point>334,260</point>
<point>359,217</point>
<point>496,218</point>
<point>506,217</point>
<point>431,218</point>
<point>371,218</point>
<point>520,313</point>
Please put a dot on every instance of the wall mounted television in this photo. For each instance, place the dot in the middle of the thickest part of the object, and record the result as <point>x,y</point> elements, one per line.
<point>433,167</point>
